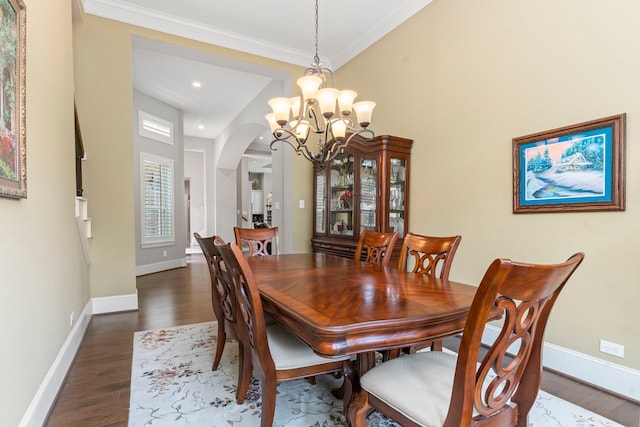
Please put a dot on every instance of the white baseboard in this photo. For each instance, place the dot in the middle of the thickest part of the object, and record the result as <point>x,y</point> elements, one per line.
<point>44,398</point>
<point>610,376</point>
<point>38,410</point>
<point>114,304</point>
<point>141,270</point>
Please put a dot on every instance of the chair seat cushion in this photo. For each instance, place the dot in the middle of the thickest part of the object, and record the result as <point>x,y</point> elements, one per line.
<point>289,352</point>
<point>418,385</point>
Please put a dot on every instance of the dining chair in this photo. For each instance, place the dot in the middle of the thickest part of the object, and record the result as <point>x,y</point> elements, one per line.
<point>375,247</point>
<point>261,241</point>
<point>277,354</point>
<point>221,295</point>
<point>426,255</point>
<point>437,388</point>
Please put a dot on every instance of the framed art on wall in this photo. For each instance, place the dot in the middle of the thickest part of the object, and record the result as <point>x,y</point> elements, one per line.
<point>575,168</point>
<point>13,153</point>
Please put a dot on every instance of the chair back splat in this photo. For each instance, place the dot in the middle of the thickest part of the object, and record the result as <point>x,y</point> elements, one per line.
<point>221,294</point>
<point>428,255</point>
<point>261,241</point>
<point>375,247</point>
<point>442,389</point>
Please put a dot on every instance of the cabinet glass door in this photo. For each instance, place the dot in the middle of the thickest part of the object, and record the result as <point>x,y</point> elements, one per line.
<point>368,193</point>
<point>321,197</point>
<point>341,193</point>
<point>397,193</point>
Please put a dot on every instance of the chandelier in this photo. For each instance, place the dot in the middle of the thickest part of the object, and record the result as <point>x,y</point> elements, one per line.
<point>321,113</point>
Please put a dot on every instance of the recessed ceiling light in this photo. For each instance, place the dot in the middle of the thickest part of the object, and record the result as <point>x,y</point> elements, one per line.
<point>196,84</point>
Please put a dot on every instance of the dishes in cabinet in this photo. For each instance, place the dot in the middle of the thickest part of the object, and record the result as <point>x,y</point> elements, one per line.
<point>396,198</point>
<point>397,171</point>
<point>397,223</point>
<point>334,177</point>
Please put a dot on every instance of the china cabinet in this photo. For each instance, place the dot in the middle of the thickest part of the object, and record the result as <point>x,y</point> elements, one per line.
<point>365,187</point>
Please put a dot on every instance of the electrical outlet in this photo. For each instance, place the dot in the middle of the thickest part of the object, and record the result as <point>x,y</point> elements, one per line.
<point>612,348</point>
<point>72,318</point>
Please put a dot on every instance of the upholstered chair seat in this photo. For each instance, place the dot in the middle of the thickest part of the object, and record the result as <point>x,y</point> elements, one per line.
<point>418,385</point>
<point>289,352</point>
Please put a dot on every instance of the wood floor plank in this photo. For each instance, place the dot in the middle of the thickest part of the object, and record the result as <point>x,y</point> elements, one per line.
<point>96,392</point>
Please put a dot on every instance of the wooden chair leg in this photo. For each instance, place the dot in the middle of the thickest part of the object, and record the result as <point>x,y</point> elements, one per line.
<point>268,401</point>
<point>244,374</point>
<point>222,339</point>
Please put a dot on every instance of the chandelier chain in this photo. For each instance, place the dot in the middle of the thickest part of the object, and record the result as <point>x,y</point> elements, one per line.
<point>316,58</point>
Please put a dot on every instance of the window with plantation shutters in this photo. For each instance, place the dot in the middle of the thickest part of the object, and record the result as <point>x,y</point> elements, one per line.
<point>157,200</point>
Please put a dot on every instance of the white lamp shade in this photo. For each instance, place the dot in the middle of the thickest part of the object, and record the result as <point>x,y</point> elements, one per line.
<point>327,100</point>
<point>345,101</point>
<point>295,107</point>
<point>301,129</point>
<point>309,86</point>
<point>281,107</point>
<point>364,110</point>
<point>339,129</point>
<point>273,125</point>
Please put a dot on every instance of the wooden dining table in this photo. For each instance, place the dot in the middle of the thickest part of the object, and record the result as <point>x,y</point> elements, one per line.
<point>342,307</point>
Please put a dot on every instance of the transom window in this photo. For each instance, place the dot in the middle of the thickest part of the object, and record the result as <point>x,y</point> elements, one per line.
<point>155,128</point>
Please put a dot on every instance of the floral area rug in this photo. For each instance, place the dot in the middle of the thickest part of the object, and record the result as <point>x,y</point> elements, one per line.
<point>172,384</point>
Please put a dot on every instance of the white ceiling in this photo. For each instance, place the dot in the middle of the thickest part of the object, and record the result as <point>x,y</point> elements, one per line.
<point>283,30</point>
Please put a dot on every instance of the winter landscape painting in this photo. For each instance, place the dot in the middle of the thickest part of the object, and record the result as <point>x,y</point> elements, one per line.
<point>575,168</point>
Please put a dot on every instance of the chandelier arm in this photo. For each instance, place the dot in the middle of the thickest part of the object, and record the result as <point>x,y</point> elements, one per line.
<point>314,115</point>
<point>328,144</point>
<point>338,147</point>
<point>330,73</point>
<point>359,132</point>
<point>299,146</point>
<point>331,146</point>
<point>328,151</point>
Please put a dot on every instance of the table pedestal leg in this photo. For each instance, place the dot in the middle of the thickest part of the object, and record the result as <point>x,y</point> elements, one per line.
<point>351,384</point>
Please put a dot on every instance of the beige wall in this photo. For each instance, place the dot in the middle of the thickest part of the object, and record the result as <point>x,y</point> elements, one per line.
<point>103,91</point>
<point>462,78</point>
<point>43,272</point>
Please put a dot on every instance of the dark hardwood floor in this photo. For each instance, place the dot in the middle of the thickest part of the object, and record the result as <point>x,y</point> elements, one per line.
<point>96,391</point>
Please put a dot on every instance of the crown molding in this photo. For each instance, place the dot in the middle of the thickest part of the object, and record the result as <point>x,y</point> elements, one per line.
<point>123,11</point>
<point>154,20</point>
